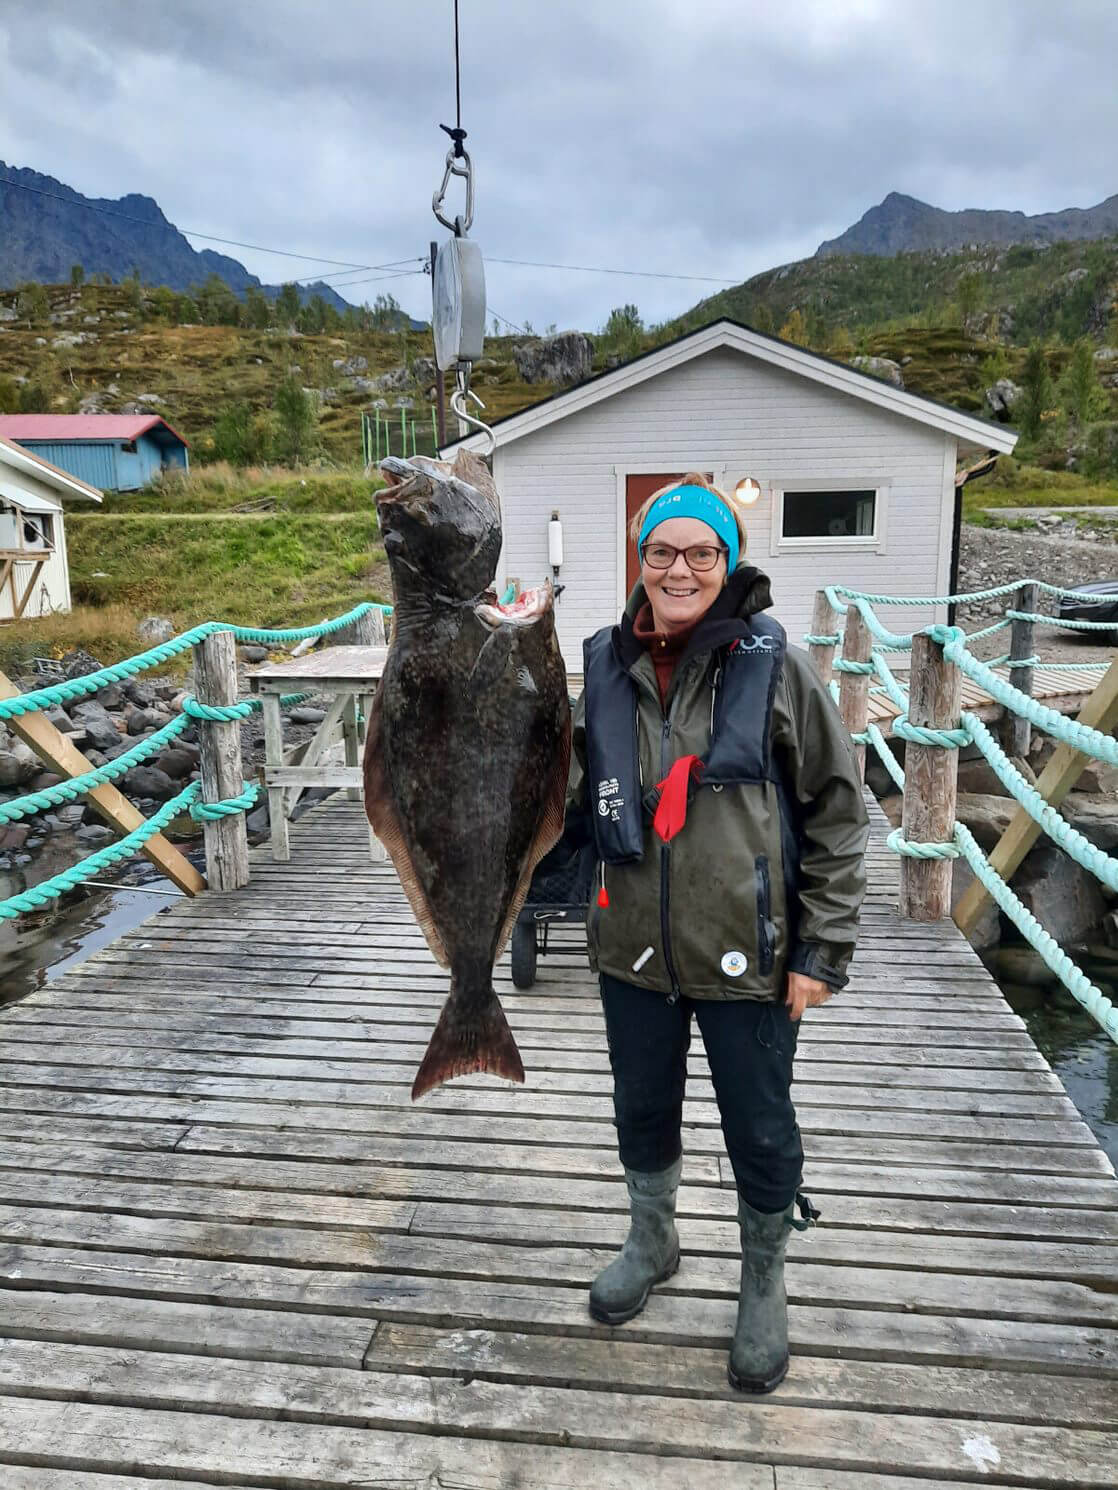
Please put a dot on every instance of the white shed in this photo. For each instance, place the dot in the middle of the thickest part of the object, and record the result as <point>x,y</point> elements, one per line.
<point>857,477</point>
<point>34,574</point>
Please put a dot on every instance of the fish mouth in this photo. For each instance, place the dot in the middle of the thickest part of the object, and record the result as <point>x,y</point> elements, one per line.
<point>528,607</point>
<point>399,473</point>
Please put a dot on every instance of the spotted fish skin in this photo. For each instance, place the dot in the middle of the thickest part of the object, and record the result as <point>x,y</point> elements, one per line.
<point>468,745</point>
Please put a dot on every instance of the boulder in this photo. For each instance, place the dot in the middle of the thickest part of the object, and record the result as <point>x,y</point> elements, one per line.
<point>985,815</point>
<point>254,653</point>
<point>1096,818</point>
<point>94,833</point>
<point>987,930</point>
<point>306,715</point>
<point>18,763</point>
<point>148,781</point>
<point>979,776</point>
<point>1025,967</point>
<point>177,764</point>
<point>349,367</point>
<point>563,359</point>
<point>109,697</point>
<point>155,629</point>
<point>1001,397</point>
<point>79,664</point>
<point>43,780</point>
<point>880,367</point>
<point>139,693</point>
<point>99,726</point>
<point>13,837</point>
<point>1065,899</point>
<point>60,719</point>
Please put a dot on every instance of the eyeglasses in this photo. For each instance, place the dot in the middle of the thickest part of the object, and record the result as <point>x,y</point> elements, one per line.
<point>699,557</point>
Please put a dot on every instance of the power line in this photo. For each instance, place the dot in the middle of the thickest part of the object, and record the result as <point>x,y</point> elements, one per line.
<point>186,232</point>
<point>341,283</point>
<point>506,322</point>
<point>635,273</point>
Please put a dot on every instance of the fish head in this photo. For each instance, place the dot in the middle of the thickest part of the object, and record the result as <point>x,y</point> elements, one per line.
<point>441,524</point>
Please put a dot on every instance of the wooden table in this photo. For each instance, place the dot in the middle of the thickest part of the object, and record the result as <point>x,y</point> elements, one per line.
<point>351,675</point>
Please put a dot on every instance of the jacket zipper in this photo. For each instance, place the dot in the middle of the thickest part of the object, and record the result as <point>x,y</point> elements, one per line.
<point>765,949</point>
<point>665,867</point>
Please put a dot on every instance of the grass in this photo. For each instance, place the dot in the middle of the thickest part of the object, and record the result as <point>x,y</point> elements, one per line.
<point>282,571</point>
<point>221,488</point>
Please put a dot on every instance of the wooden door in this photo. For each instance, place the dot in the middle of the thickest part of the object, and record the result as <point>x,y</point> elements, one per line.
<point>637,490</point>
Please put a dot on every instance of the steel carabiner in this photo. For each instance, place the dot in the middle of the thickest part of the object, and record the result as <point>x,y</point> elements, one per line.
<point>456,165</point>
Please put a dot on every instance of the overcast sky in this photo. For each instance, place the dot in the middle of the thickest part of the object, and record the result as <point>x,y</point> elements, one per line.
<point>694,137</point>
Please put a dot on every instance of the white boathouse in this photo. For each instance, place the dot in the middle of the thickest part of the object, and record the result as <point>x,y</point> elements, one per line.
<point>34,572</point>
<point>856,477</point>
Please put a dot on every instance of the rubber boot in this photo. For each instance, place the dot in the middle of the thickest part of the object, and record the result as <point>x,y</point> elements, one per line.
<point>651,1250</point>
<point>759,1354</point>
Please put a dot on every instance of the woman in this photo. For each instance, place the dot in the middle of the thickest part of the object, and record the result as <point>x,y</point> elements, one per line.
<point>729,829</point>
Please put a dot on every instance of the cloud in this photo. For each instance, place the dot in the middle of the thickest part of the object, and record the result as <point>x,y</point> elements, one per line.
<point>713,138</point>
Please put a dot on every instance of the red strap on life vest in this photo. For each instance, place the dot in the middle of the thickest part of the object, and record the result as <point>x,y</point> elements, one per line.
<point>671,812</point>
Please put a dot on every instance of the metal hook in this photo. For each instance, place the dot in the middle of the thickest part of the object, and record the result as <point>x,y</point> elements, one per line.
<point>458,404</point>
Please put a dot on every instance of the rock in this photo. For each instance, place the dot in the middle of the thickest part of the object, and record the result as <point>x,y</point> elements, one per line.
<point>148,781</point>
<point>94,403</point>
<point>18,763</point>
<point>1097,778</point>
<point>72,339</point>
<point>43,780</point>
<point>563,359</point>
<point>94,833</point>
<point>1106,354</point>
<point>109,697</point>
<point>140,721</point>
<point>305,715</point>
<point>1001,397</point>
<point>257,820</point>
<point>60,719</point>
<point>99,726</point>
<point>139,693</point>
<point>155,629</point>
<point>880,367</point>
<point>165,692</point>
<point>892,805</point>
<point>987,930</point>
<point>8,313</point>
<point>177,764</point>
<point>50,822</point>
<point>253,653</point>
<point>985,815</point>
<point>1065,899</point>
<point>1025,967</point>
<point>349,367</point>
<point>979,776</point>
<point>79,664</point>
<point>1095,818</point>
<point>14,837</point>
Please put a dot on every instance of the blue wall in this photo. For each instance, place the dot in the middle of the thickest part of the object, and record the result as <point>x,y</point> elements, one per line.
<point>106,464</point>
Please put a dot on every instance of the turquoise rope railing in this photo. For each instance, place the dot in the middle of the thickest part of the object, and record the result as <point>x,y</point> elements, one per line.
<point>78,786</point>
<point>972,731</point>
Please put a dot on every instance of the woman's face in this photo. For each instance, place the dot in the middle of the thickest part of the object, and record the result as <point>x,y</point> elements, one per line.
<point>678,595</point>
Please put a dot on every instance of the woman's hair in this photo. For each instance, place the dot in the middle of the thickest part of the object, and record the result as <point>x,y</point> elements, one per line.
<point>693,478</point>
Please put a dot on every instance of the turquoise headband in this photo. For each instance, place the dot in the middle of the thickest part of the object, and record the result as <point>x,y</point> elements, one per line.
<point>695,501</point>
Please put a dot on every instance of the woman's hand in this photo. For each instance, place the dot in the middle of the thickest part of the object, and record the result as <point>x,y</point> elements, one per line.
<point>805,993</point>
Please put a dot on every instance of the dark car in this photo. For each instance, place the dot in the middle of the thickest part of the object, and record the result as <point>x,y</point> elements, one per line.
<point>1104,608</point>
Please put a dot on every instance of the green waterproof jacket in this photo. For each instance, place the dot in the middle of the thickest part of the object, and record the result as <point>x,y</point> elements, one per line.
<point>720,912</point>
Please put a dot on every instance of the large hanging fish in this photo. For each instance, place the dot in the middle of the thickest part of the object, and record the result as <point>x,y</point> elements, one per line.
<point>468,745</point>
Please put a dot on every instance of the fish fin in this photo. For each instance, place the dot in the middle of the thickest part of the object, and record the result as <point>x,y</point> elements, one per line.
<point>548,834</point>
<point>492,659</point>
<point>471,469</point>
<point>466,1040</point>
<point>381,812</point>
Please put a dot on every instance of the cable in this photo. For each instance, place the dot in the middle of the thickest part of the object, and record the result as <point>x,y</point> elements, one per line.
<point>186,232</point>
<point>506,322</point>
<point>636,273</point>
<point>338,273</point>
<point>457,71</point>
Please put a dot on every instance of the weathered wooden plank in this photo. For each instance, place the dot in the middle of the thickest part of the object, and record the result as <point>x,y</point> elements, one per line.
<point>303,1455</point>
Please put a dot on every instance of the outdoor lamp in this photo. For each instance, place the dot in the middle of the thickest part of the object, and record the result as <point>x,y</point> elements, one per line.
<point>747,491</point>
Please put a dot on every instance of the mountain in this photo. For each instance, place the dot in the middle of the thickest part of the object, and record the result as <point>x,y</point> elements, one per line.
<point>46,226</point>
<point>901,224</point>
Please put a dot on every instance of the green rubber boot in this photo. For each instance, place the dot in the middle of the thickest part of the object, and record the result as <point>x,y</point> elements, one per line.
<point>651,1250</point>
<point>759,1354</point>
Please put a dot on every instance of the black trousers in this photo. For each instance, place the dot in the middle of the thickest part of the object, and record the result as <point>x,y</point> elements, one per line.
<point>750,1047</point>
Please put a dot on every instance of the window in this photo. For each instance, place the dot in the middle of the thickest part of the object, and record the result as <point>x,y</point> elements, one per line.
<point>829,514</point>
<point>37,532</point>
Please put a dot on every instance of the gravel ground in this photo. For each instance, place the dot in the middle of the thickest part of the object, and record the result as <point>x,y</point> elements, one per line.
<point>996,556</point>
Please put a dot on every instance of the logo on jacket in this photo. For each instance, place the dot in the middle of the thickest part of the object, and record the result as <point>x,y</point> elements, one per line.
<point>754,644</point>
<point>610,800</point>
<point>734,964</point>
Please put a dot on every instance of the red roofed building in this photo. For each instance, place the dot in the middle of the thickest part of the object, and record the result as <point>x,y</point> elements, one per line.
<point>115,452</point>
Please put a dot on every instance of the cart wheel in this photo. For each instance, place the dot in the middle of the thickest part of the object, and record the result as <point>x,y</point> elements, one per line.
<point>524,953</point>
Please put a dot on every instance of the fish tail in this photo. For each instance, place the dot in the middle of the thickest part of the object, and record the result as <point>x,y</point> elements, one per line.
<point>468,1037</point>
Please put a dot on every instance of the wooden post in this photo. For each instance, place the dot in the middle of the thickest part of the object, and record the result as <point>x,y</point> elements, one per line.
<point>60,754</point>
<point>366,631</point>
<point>823,623</point>
<point>1056,780</point>
<point>215,682</point>
<point>1018,731</point>
<point>854,688</point>
<point>931,772</point>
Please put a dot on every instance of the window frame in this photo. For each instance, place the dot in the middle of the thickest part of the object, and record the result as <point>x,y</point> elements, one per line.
<point>874,542</point>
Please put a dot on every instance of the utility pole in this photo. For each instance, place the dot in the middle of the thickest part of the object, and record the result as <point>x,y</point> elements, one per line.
<point>440,391</point>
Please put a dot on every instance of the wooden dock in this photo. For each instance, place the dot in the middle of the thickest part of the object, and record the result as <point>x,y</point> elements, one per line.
<point>233,1253</point>
<point>1054,686</point>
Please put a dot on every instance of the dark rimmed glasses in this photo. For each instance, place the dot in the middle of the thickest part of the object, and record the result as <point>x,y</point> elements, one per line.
<point>700,558</point>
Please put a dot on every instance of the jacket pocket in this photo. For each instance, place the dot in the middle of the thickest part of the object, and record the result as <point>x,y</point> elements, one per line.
<point>766,931</point>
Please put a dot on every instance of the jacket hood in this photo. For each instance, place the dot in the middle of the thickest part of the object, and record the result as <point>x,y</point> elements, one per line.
<point>746,592</point>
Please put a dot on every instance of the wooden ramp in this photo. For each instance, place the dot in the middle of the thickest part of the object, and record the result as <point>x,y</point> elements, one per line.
<point>233,1253</point>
